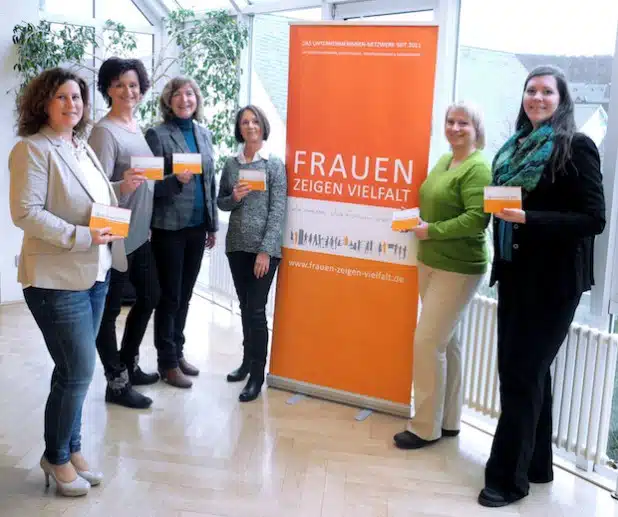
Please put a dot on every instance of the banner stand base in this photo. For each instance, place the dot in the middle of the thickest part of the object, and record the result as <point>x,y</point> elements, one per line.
<point>341,397</point>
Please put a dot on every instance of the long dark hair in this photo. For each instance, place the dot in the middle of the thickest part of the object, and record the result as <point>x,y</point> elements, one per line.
<point>562,121</point>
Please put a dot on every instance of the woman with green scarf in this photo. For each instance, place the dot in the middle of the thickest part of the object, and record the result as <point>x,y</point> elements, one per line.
<point>543,263</point>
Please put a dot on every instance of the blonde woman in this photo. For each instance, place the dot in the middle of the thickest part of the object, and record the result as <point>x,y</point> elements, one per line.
<point>452,259</point>
<point>184,221</point>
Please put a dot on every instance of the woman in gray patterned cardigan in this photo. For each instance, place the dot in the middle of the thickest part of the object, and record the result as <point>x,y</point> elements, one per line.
<point>253,242</point>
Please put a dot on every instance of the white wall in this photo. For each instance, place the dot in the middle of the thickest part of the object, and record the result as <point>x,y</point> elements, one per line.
<point>11,14</point>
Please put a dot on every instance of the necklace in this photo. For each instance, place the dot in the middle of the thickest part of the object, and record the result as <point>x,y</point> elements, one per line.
<point>77,147</point>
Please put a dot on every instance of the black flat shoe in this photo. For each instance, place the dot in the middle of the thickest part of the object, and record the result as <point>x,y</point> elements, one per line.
<point>495,499</point>
<point>540,479</point>
<point>408,440</point>
<point>448,433</point>
<point>141,378</point>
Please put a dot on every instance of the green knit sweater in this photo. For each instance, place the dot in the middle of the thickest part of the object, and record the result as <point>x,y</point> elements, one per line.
<point>451,201</point>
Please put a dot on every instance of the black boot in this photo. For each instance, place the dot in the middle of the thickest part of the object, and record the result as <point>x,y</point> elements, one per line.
<point>240,374</point>
<point>137,377</point>
<point>254,385</point>
<point>127,397</point>
<point>141,378</point>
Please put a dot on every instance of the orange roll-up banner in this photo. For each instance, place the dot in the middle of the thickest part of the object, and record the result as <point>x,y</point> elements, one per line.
<point>360,101</point>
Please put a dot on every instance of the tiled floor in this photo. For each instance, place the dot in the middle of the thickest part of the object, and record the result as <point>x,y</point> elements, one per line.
<point>200,453</point>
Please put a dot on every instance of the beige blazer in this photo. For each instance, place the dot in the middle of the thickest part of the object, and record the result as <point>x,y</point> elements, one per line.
<point>51,203</point>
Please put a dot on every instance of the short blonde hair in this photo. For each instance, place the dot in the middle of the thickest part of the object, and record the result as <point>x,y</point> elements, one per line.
<point>475,116</point>
<point>165,101</point>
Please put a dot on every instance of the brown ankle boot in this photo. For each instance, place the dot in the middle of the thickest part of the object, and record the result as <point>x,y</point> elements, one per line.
<point>187,368</point>
<point>175,377</point>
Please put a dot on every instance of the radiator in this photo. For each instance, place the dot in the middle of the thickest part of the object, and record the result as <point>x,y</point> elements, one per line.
<point>219,279</point>
<point>583,380</point>
<point>583,372</point>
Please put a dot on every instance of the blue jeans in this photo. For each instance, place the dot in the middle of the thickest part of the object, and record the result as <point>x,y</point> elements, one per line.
<point>69,322</point>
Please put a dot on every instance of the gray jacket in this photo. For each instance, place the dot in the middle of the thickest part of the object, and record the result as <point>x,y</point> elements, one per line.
<point>173,201</point>
<point>257,221</point>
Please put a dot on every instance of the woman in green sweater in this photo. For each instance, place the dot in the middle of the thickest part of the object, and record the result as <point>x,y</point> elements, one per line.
<point>452,259</point>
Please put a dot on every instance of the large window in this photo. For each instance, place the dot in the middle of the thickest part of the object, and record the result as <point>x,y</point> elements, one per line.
<point>269,73</point>
<point>495,58</point>
<point>83,9</point>
<point>124,11</point>
<point>268,86</point>
<point>95,13</point>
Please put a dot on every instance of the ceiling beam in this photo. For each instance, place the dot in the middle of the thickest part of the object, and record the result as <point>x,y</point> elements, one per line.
<point>235,6</point>
<point>281,5</point>
<point>154,10</point>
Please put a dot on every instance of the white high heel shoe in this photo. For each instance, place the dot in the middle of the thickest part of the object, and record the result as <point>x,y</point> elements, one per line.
<point>94,478</point>
<point>78,487</point>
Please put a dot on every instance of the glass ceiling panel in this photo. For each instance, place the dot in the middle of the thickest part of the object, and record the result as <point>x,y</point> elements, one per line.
<point>109,9</point>
<point>203,5</point>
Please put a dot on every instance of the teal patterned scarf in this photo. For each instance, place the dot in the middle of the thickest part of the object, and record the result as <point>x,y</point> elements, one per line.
<point>522,165</point>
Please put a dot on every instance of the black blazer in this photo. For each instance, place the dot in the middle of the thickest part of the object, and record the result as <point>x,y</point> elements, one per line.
<point>553,250</point>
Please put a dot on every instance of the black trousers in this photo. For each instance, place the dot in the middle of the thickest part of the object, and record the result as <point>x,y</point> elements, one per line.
<point>252,297</point>
<point>532,326</point>
<point>178,255</point>
<point>142,274</point>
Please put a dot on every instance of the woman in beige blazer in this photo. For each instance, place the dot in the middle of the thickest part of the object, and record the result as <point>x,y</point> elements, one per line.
<point>64,265</point>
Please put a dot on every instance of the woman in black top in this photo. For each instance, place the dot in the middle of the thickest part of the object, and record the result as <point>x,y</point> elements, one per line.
<point>543,263</point>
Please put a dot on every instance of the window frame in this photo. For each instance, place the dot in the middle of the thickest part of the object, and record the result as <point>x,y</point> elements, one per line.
<point>605,293</point>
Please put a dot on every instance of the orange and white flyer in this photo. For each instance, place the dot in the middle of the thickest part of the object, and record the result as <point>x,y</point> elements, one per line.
<point>113,217</point>
<point>187,162</point>
<point>496,199</point>
<point>151,166</point>
<point>405,219</point>
<point>254,178</point>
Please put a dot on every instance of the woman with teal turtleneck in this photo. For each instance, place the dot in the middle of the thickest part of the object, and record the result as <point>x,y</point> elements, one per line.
<point>184,221</point>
